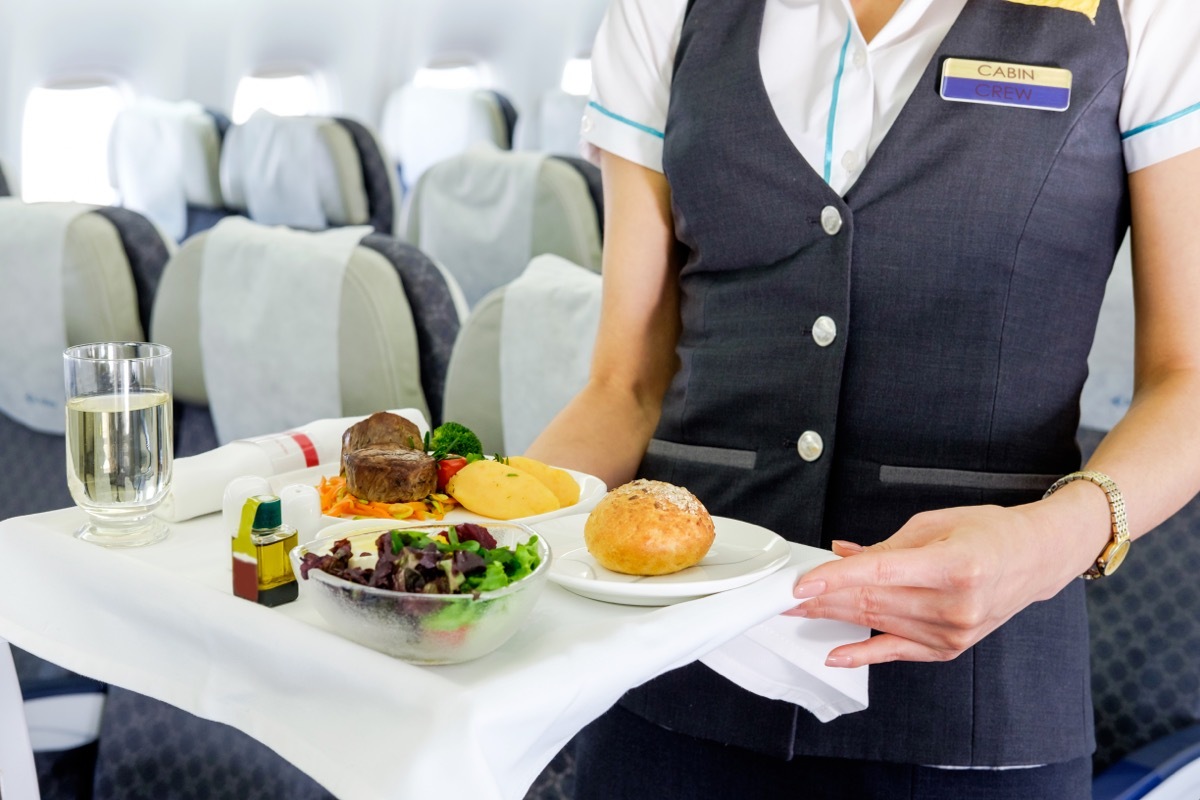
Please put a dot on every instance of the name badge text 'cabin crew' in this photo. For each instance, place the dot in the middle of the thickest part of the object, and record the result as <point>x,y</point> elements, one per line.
<point>1001,84</point>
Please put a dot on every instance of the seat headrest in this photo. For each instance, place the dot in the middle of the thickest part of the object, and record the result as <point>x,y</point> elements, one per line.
<point>523,353</point>
<point>485,213</point>
<point>377,345</point>
<point>553,127</point>
<point>73,274</point>
<point>163,158</point>
<point>302,172</point>
<point>423,125</point>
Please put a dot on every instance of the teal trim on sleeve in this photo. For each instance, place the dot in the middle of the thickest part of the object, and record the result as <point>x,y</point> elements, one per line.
<point>1143,128</point>
<point>639,126</point>
<point>833,103</point>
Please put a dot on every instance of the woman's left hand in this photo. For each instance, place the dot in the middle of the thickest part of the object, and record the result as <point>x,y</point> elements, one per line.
<point>937,586</point>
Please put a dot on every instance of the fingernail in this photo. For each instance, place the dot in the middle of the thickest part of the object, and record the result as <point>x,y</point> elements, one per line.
<point>798,611</point>
<point>839,661</point>
<point>851,546</point>
<point>803,591</point>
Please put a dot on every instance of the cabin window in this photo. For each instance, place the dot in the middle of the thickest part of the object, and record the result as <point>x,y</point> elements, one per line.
<point>577,76</point>
<point>285,95</point>
<point>455,75</point>
<point>64,142</point>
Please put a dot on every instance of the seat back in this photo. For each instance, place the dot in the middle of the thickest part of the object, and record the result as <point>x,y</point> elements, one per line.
<point>163,162</point>
<point>485,213</point>
<point>392,329</point>
<point>110,261</point>
<point>553,124</point>
<point>309,173</point>
<point>523,353</point>
<point>423,125</point>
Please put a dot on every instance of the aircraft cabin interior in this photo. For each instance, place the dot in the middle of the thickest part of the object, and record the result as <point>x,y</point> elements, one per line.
<point>329,210</point>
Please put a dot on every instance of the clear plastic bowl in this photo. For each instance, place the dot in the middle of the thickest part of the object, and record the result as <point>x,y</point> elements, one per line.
<point>420,628</point>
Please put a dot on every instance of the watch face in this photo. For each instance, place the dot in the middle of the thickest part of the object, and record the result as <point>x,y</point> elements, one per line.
<point>1115,554</point>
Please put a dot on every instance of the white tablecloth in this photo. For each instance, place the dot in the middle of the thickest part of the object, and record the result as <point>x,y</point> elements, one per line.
<point>161,620</point>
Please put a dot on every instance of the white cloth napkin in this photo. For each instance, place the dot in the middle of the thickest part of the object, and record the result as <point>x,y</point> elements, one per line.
<point>783,658</point>
<point>33,329</point>
<point>198,482</point>
<point>547,332</point>
<point>270,309</point>
<point>475,216</point>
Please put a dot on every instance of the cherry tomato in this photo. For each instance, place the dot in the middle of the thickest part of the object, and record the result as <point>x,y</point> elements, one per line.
<point>446,469</point>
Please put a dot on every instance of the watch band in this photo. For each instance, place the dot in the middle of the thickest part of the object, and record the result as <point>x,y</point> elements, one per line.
<point>1118,547</point>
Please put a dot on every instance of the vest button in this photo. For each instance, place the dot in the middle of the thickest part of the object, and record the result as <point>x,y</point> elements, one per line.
<point>810,446</point>
<point>831,220</point>
<point>824,331</point>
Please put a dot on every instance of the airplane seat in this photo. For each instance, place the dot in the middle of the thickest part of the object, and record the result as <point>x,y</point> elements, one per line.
<point>163,159</point>
<point>103,266</point>
<point>553,124</point>
<point>385,320</point>
<point>508,113</point>
<point>82,274</point>
<point>486,212</point>
<point>394,319</point>
<point>523,353</point>
<point>1145,640</point>
<point>309,173</point>
<point>422,125</point>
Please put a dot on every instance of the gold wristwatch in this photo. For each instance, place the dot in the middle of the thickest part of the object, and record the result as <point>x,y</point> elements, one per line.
<point>1118,547</point>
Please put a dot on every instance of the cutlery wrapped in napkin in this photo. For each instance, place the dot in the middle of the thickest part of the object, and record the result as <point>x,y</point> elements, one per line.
<point>199,481</point>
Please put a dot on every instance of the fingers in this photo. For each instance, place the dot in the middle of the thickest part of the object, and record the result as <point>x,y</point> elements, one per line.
<point>883,648</point>
<point>947,625</point>
<point>927,567</point>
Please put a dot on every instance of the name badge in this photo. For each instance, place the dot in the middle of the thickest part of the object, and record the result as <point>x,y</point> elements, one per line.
<point>1000,84</point>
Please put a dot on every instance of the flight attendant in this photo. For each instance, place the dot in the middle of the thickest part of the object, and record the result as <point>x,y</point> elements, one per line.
<point>854,257</point>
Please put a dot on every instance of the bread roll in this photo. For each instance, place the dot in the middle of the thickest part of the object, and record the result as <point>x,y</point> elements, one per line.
<point>648,528</point>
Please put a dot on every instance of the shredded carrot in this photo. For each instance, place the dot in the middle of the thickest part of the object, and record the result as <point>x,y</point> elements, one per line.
<point>336,501</point>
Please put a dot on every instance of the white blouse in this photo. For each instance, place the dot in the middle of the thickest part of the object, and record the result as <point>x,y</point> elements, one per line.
<point>837,95</point>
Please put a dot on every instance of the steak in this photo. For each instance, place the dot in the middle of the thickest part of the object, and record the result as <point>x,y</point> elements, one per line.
<point>382,430</point>
<point>390,475</point>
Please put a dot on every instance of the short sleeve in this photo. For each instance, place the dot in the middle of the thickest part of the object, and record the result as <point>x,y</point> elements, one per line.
<point>632,61</point>
<point>1160,108</point>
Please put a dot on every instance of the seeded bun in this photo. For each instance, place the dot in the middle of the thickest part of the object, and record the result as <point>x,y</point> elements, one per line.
<point>648,528</point>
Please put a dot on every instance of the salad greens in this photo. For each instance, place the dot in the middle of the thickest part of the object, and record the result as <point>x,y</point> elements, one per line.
<point>468,561</point>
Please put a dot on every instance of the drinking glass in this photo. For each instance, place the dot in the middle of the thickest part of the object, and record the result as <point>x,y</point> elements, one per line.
<point>119,449</point>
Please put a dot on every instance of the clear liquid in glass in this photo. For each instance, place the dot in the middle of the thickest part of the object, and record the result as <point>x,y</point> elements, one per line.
<point>119,461</point>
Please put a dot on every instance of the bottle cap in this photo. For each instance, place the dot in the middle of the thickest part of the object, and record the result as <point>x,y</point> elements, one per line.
<point>269,514</point>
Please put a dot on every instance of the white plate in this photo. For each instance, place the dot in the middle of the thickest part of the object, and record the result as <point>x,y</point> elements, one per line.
<point>591,489</point>
<point>741,554</point>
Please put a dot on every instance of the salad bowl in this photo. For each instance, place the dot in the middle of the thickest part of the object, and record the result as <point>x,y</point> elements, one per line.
<point>429,626</point>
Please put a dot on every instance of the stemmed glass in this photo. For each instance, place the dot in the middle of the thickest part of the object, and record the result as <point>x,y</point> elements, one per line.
<point>119,448</point>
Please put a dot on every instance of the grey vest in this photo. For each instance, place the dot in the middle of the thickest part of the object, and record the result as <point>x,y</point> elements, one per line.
<point>965,281</point>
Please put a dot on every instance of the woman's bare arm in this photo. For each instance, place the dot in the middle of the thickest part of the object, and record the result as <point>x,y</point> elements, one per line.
<point>605,429</point>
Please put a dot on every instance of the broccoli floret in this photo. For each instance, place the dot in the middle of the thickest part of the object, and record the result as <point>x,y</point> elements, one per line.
<point>453,437</point>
